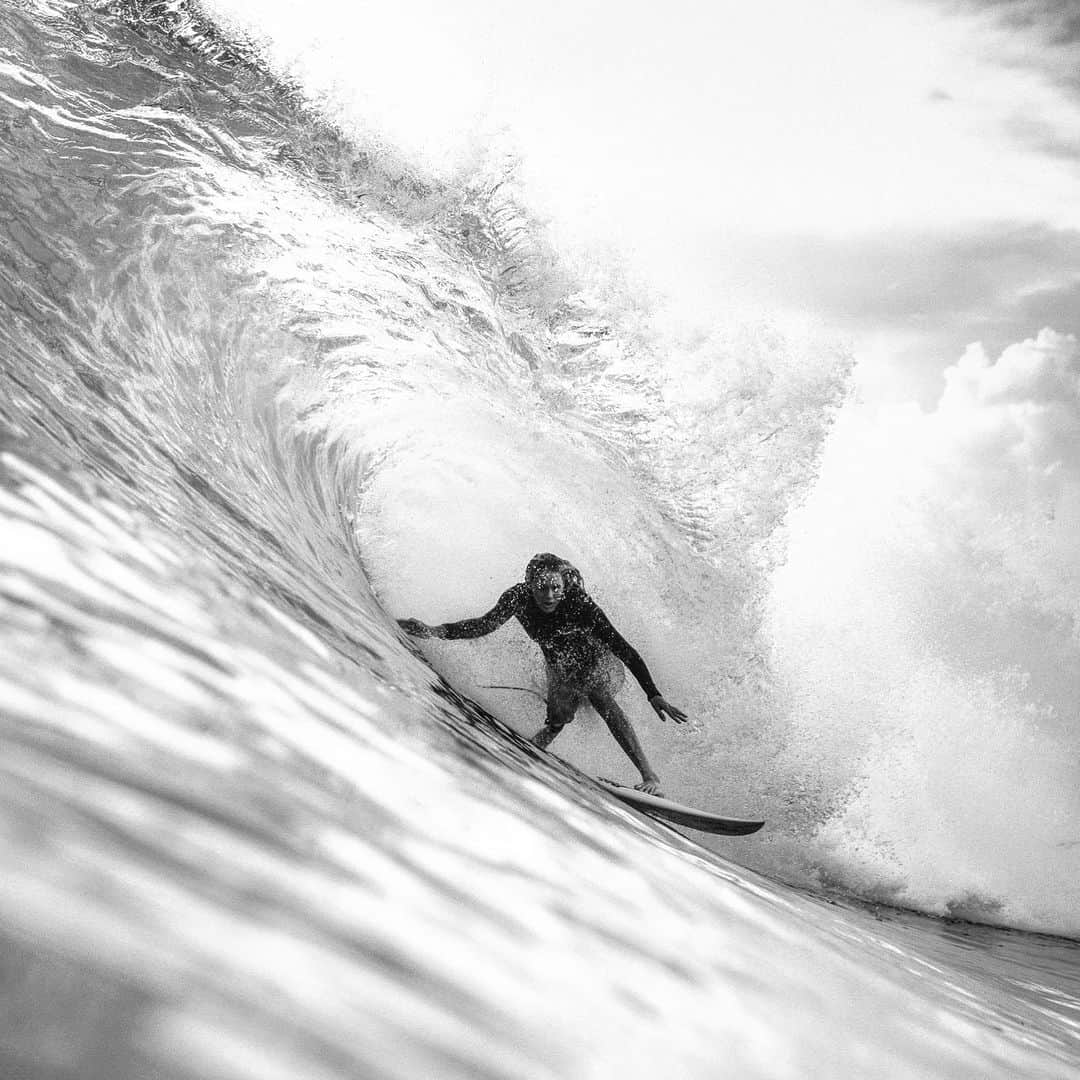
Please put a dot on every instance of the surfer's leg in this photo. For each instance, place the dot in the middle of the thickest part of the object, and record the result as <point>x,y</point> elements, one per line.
<point>619,726</point>
<point>562,703</point>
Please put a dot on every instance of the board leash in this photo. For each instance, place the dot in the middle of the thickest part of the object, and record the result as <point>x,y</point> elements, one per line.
<point>519,689</point>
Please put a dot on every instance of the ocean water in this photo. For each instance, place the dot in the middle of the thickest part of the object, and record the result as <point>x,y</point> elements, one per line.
<point>265,387</point>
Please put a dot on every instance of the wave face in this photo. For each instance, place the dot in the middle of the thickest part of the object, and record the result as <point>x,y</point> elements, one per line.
<point>262,389</point>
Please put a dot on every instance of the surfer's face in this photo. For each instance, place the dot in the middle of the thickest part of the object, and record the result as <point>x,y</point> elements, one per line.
<point>548,590</point>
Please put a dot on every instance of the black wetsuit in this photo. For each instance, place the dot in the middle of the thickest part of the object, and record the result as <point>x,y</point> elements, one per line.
<point>572,637</point>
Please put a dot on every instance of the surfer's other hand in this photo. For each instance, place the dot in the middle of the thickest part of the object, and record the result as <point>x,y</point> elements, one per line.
<point>662,707</point>
<point>415,628</point>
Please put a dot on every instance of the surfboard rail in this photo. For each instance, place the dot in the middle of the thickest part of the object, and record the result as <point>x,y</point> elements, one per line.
<point>670,811</point>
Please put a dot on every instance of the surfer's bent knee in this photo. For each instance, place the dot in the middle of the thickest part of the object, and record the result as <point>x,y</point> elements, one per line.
<point>561,706</point>
<point>558,717</point>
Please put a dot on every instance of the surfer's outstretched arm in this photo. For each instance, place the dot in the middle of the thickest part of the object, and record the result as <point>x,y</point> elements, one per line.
<point>467,628</point>
<point>626,652</point>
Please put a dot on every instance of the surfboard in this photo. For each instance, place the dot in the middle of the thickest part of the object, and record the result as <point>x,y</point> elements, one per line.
<point>688,816</point>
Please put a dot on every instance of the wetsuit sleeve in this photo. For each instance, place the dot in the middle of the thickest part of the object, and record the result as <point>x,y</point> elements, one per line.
<point>506,606</point>
<point>605,632</point>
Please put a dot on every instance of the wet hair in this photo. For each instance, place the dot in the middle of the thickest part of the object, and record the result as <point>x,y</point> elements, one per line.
<point>545,562</point>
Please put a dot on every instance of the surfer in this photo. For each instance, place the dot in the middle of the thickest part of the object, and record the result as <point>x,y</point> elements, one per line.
<point>575,637</point>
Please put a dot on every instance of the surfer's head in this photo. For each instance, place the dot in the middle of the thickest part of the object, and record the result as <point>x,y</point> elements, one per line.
<point>551,580</point>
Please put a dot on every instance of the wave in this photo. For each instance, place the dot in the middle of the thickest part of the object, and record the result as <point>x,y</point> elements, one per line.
<point>366,391</point>
<point>265,387</point>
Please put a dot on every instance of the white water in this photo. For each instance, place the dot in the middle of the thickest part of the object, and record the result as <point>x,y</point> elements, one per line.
<point>926,624</point>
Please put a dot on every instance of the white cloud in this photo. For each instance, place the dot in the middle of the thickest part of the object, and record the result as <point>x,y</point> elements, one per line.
<point>1040,371</point>
<point>1012,426</point>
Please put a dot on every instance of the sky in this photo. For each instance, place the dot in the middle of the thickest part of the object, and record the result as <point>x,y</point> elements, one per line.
<point>903,172</point>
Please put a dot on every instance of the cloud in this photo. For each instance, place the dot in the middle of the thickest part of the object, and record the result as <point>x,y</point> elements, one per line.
<point>1056,22</point>
<point>1039,134</point>
<point>938,289</point>
<point>1042,35</point>
<point>1034,47</point>
<point>992,471</point>
<point>1019,414</point>
<point>999,459</point>
<point>1005,449</point>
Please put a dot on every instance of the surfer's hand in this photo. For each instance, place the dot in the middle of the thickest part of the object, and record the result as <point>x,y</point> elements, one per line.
<point>662,707</point>
<point>415,628</point>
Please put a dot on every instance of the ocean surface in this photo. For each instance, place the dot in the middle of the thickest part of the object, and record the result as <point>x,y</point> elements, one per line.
<point>265,387</point>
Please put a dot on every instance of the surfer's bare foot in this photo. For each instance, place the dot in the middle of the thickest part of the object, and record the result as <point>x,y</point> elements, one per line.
<point>650,786</point>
